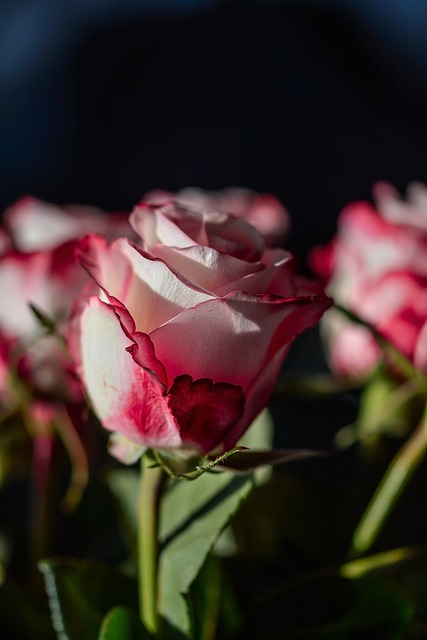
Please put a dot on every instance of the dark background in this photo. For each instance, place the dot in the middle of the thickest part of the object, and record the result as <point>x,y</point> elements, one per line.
<point>311,101</point>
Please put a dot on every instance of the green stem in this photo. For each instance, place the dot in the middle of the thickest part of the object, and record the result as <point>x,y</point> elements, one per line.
<point>149,494</point>
<point>390,488</point>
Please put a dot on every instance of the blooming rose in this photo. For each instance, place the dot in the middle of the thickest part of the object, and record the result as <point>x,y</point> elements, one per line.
<point>184,344</point>
<point>38,267</point>
<point>263,211</point>
<point>376,267</point>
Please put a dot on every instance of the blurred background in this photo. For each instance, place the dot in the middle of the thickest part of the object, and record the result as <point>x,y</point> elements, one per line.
<point>313,101</point>
<point>104,100</point>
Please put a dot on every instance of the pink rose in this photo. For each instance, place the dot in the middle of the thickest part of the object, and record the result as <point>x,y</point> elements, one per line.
<point>376,267</point>
<point>183,346</point>
<point>37,225</point>
<point>263,211</point>
<point>38,267</point>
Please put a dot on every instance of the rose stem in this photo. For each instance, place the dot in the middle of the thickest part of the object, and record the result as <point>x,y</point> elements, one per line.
<point>390,488</point>
<point>149,496</point>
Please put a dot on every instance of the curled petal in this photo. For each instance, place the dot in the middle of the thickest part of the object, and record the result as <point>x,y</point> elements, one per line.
<point>105,264</point>
<point>206,267</point>
<point>157,225</point>
<point>126,397</point>
<point>152,293</point>
<point>234,236</point>
<point>143,353</point>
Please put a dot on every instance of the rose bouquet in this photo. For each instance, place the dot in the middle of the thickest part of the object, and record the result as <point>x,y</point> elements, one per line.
<point>138,354</point>
<point>173,330</point>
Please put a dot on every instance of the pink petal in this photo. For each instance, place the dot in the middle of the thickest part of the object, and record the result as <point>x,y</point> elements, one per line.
<point>372,245</point>
<point>269,217</point>
<point>263,211</point>
<point>30,278</point>
<point>125,396</point>
<point>420,355</point>
<point>257,396</point>
<point>37,225</point>
<point>151,292</point>
<point>5,243</point>
<point>206,267</point>
<point>352,350</point>
<point>231,339</point>
<point>234,237</point>
<point>321,261</point>
<point>105,264</point>
<point>155,226</point>
<point>411,212</point>
<point>274,279</point>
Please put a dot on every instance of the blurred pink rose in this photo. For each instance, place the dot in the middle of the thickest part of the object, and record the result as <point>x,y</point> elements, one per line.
<point>6,346</point>
<point>38,267</point>
<point>263,211</point>
<point>376,267</point>
<point>37,225</point>
<point>184,345</point>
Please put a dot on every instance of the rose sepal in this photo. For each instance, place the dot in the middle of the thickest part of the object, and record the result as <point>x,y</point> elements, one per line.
<point>174,465</point>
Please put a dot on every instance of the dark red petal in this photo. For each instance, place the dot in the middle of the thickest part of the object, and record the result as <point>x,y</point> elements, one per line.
<point>204,410</point>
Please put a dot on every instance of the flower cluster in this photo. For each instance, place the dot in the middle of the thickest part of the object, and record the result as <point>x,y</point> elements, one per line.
<point>40,281</point>
<point>376,267</point>
<point>177,325</point>
<point>172,325</point>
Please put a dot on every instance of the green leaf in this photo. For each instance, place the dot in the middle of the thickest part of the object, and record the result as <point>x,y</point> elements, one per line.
<point>123,624</point>
<point>80,593</point>
<point>193,514</point>
<point>204,601</point>
<point>212,607</point>
<point>44,320</point>
<point>385,407</point>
